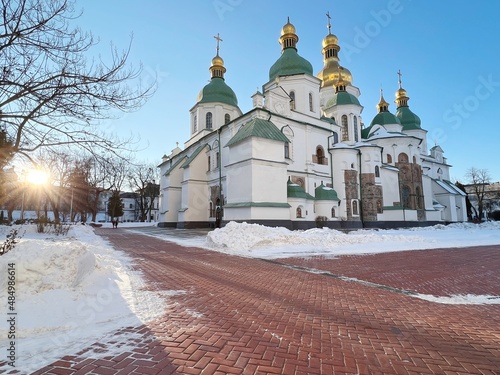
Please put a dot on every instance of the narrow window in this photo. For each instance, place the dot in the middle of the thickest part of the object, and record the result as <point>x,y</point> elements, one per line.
<point>414,159</point>
<point>287,150</point>
<point>292,99</point>
<point>195,124</point>
<point>355,207</point>
<point>311,108</point>
<point>356,138</point>
<point>209,163</point>
<point>217,159</point>
<point>333,211</point>
<point>209,120</point>
<point>227,118</point>
<point>377,171</point>
<point>345,129</point>
<point>320,155</point>
<point>389,158</point>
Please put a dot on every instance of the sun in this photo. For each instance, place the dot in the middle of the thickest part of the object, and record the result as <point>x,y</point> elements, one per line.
<point>37,176</point>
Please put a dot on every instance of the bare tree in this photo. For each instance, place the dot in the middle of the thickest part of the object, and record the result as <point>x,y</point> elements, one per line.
<point>50,93</point>
<point>142,179</point>
<point>478,180</point>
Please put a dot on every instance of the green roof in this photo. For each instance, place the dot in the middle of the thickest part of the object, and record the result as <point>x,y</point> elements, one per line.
<point>323,193</point>
<point>408,119</point>
<point>296,191</point>
<point>217,91</point>
<point>342,98</point>
<point>290,63</point>
<point>258,128</point>
<point>173,166</point>
<point>328,119</point>
<point>385,118</point>
<point>193,156</point>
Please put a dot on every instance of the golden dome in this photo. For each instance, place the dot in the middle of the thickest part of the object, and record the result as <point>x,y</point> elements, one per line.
<point>329,40</point>
<point>332,73</point>
<point>288,28</point>
<point>217,61</point>
<point>401,93</point>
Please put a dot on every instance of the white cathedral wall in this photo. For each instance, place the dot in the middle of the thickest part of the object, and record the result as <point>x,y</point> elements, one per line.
<point>390,187</point>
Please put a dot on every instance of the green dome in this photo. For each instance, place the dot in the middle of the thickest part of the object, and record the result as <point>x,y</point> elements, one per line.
<point>408,119</point>
<point>290,63</point>
<point>296,191</point>
<point>323,193</point>
<point>217,91</point>
<point>385,118</point>
<point>341,98</point>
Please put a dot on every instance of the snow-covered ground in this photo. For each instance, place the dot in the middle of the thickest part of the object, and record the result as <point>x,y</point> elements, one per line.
<point>70,291</point>
<point>73,290</point>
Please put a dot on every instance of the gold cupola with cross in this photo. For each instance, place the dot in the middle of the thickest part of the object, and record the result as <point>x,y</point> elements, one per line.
<point>332,70</point>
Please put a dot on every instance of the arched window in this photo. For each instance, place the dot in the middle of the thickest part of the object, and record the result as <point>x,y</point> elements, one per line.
<point>320,156</point>
<point>292,99</point>
<point>355,207</point>
<point>287,150</point>
<point>212,211</point>
<point>402,158</point>
<point>299,212</point>
<point>209,120</point>
<point>195,124</point>
<point>335,138</point>
<point>377,171</point>
<point>227,118</point>
<point>333,211</point>
<point>345,129</point>
<point>389,158</point>
<point>311,108</point>
<point>356,129</point>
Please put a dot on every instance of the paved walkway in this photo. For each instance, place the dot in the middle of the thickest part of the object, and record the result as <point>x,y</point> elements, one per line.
<point>249,316</point>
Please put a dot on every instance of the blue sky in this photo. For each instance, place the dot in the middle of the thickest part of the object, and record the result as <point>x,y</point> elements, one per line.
<point>447,51</point>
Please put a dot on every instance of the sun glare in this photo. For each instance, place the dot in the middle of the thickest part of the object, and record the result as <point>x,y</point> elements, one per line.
<point>37,177</point>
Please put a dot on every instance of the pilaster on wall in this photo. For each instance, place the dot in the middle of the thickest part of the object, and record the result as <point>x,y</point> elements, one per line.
<point>372,197</point>
<point>351,192</point>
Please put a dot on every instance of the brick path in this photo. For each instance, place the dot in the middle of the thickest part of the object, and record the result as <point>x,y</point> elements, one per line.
<point>247,316</point>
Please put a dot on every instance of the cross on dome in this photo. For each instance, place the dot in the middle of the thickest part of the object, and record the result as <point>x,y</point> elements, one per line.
<point>218,38</point>
<point>329,24</point>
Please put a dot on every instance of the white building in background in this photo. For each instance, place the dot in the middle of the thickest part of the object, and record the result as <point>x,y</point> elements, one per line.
<point>302,156</point>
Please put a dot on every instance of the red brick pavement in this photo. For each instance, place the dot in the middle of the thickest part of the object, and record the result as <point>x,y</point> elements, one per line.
<point>246,316</point>
<point>441,272</point>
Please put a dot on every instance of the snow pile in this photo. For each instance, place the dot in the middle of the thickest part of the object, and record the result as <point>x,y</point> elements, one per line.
<point>71,291</point>
<point>255,240</point>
